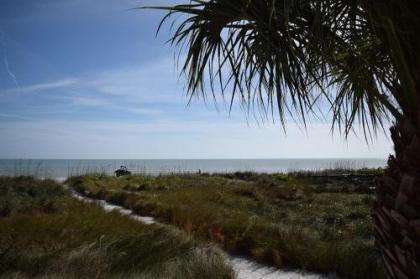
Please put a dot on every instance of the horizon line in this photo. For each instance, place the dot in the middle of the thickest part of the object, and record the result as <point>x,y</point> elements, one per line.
<point>288,158</point>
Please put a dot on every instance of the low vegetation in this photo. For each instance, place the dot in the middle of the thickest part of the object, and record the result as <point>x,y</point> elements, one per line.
<point>46,233</point>
<point>313,222</point>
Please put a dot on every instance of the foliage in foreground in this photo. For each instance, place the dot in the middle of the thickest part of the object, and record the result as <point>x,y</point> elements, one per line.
<point>26,195</point>
<point>315,224</point>
<point>78,240</point>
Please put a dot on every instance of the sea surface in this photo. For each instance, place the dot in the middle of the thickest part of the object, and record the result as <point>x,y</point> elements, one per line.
<point>59,169</point>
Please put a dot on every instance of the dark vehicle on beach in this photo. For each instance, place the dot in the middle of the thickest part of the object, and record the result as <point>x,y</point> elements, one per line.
<point>122,171</point>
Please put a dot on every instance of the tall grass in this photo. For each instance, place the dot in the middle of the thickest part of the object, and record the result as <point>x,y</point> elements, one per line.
<point>78,240</point>
<point>27,195</point>
<point>277,219</point>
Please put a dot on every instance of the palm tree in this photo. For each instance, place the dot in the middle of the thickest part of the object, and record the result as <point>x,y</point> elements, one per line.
<point>357,56</point>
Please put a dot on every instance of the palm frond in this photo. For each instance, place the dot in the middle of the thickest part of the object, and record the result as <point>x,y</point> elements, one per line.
<point>292,54</point>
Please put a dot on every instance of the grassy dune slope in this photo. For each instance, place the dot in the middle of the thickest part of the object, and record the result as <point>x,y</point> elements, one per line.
<point>319,224</point>
<point>45,233</point>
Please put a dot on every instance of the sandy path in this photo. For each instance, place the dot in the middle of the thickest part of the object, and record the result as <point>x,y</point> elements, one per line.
<point>244,268</point>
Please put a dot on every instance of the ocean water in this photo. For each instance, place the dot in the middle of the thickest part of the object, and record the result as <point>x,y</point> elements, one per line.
<point>63,168</point>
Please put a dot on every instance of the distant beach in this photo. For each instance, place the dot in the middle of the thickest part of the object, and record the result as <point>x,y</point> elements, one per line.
<point>63,168</point>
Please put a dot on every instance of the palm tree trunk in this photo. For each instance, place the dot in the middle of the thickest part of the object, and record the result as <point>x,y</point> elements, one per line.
<point>397,210</point>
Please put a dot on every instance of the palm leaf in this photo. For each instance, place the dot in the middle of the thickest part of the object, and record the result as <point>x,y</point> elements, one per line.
<point>295,55</point>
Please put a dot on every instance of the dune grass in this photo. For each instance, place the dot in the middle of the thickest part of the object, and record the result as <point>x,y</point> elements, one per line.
<point>317,224</point>
<point>46,233</point>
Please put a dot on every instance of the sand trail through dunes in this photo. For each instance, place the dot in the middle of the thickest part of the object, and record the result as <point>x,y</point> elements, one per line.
<point>244,268</point>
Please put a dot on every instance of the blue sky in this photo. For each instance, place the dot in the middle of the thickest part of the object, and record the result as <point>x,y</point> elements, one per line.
<point>89,79</point>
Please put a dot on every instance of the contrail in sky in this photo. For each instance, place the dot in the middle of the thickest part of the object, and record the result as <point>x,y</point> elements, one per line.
<point>6,61</point>
<point>11,74</point>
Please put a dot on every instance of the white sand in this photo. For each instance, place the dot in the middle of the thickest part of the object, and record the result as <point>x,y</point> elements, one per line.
<point>247,269</point>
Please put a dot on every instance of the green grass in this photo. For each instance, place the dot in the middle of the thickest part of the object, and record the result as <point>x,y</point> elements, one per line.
<point>26,195</point>
<point>48,234</point>
<point>318,224</point>
<point>338,171</point>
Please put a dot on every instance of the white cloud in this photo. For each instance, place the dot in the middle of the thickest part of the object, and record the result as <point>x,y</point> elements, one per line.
<point>15,116</point>
<point>176,139</point>
<point>138,90</point>
<point>65,83</point>
<point>104,104</point>
<point>153,89</point>
<point>151,82</point>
